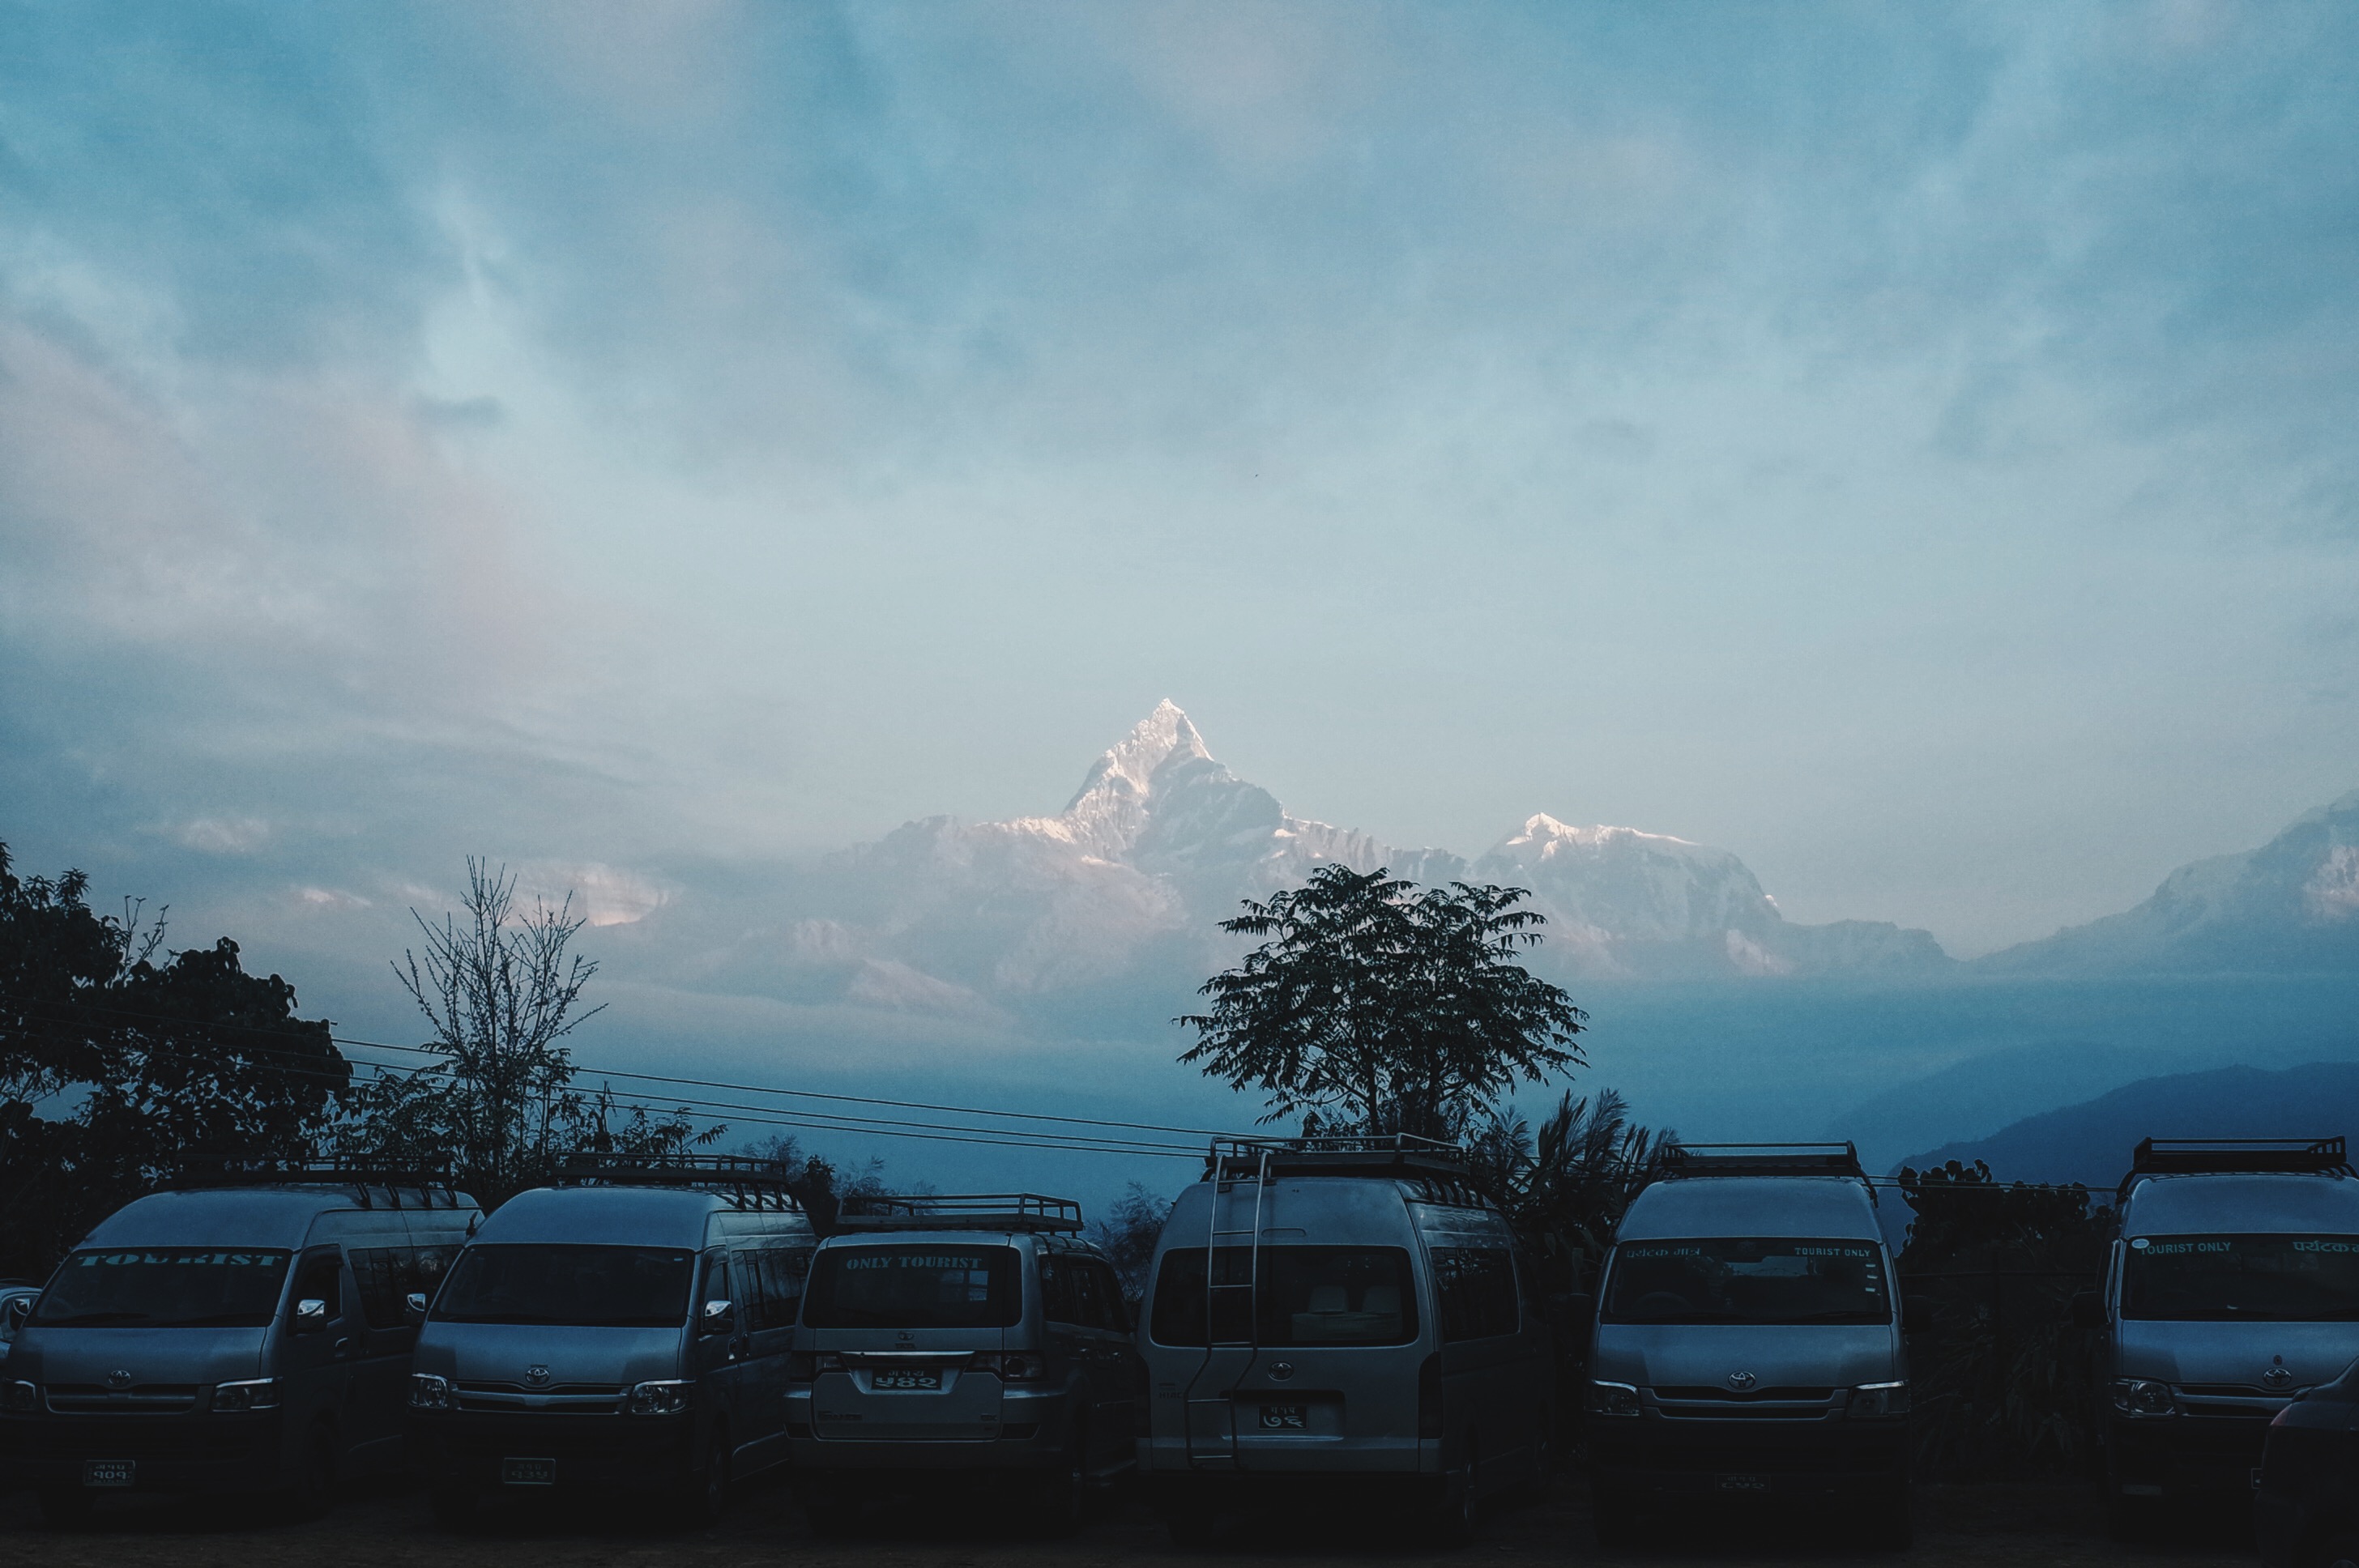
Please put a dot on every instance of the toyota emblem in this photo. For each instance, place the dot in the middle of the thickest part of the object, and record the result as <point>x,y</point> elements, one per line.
<point>2276,1377</point>
<point>1280,1371</point>
<point>118,1378</point>
<point>1741,1381</point>
<point>536,1376</point>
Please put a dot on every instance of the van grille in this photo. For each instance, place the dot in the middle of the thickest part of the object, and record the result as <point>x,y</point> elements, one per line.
<point>563,1398</point>
<point>146,1398</point>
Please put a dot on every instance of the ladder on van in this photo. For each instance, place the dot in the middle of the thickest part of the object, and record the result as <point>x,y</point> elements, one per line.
<point>1210,1405</point>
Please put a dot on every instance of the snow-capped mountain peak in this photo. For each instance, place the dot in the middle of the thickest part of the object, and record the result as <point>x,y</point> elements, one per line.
<point>1108,812</point>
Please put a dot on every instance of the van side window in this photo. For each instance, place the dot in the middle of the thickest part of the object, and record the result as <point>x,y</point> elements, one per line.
<point>429,1264</point>
<point>752,1307</point>
<point>1060,1303</point>
<point>321,1280</point>
<point>381,1276</point>
<point>1478,1292</point>
<point>716,1283</point>
<point>1106,1291</point>
<point>1090,1306</point>
<point>782,1270</point>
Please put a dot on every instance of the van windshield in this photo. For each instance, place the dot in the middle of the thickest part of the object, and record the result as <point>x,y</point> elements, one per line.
<point>916,1286</point>
<point>1748,1279</point>
<point>584,1287</point>
<point>164,1287</point>
<point>2301,1279</point>
<point>1308,1296</point>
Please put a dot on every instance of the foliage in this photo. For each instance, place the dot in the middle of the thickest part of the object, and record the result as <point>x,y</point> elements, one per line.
<point>2006,1386</point>
<point>1127,1232</point>
<point>1376,1007</point>
<point>119,1070</point>
<point>1564,1187</point>
<point>816,1183</point>
<point>498,1104</point>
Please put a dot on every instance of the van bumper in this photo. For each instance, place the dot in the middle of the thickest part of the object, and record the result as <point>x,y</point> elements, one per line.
<point>1665,1461</point>
<point>198,1452</point>
<point>2186,1455</point>
<point>610,1453</point>
<point>1033,1431</point>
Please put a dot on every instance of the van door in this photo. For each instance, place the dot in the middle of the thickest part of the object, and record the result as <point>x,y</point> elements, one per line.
<point>382,1272</point>
<point>719,1357</point>
<point>1115,1380</point>
<point>317,1355</point>
<point>767,1294</point>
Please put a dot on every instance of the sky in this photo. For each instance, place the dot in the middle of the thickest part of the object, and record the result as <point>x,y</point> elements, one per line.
<point>1911,448</point>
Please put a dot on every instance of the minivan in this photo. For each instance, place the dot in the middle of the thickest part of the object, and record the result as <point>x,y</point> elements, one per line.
<point>241,1333</point>
<point>1748,1346</point>
<point>970,1337</point>
<point>1342,1318</point>
<point>623,1332</point>
<point>2232,1285</point>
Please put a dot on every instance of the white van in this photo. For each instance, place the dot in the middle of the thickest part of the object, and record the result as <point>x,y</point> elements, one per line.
<point>1345,1317</point>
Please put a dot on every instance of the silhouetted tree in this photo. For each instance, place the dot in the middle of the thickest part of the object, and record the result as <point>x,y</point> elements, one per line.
<point>499,1106</point>
<point>1127,1233</point>
<point>1565,1186</point>
<point>117,1070</point>
<point>2006,1386</point>
<point>1378,1006</point>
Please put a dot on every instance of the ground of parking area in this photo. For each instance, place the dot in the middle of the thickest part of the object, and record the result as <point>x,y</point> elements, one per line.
<point>1957,1526</point>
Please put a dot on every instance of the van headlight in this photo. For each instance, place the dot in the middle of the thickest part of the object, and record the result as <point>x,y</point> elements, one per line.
<point>21,1399</point>
<point>248,1394</point>
<point>1877,1402</point>
<point>429,1392</point>
<point>1613,1398</point>
<point>2143,1399</point>
<point>664,1397</point>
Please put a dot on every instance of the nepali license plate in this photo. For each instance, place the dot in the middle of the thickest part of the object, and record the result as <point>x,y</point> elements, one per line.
<point>931,1378</point>
<point>528,1472</point>
<point>109,1472</point>
<point>1286,1418</point>
<point>1744,1482</point>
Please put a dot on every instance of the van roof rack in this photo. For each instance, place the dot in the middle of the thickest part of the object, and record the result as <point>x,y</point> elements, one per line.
<point>744,1182</point>
<point>1380,1154</point>
<point>2225,1156</point>
<point>433,1188</point>
<point>1763,1160</point>
<point>960,1211</point>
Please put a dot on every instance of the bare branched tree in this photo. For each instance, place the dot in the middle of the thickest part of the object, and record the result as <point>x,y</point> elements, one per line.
<point>502,993</point>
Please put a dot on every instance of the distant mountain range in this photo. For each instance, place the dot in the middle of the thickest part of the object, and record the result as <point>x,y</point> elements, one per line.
<point>2090,1143</point>
<point>1114,902</point>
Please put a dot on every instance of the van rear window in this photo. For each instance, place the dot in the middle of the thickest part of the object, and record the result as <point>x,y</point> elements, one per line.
<point>1308,1296</point>
<point>916,1286</point>
<point>164,1287</point>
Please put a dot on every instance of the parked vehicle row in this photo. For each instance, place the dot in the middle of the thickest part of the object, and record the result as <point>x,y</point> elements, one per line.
<point>1336,1318</point>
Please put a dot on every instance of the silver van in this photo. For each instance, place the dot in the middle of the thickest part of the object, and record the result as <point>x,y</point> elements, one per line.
<point>974,1334</point>
<point>1748,1344</point>
<point>1343,1316</point>
<point>625,1332</point>
<point>229,1338</point>
<point>2231,1286</point>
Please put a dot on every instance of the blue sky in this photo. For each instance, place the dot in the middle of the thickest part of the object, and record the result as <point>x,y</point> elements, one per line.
<point>1909,446</point>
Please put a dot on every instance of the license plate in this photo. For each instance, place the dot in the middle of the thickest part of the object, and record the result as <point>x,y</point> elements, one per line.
<point>1286,1418</point>
<point>905,1379</point>
<point>109,1472</point>
<point>528,1472</point>
<point>1744,1482</point>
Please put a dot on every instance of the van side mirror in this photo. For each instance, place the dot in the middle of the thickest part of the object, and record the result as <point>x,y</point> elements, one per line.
<point>2088,1310</point>
<point>413,1307</point>
<point>19,1310</point>
<point>718,1317</point>
<point>1916,1314</point>
<point>310,1316</point>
